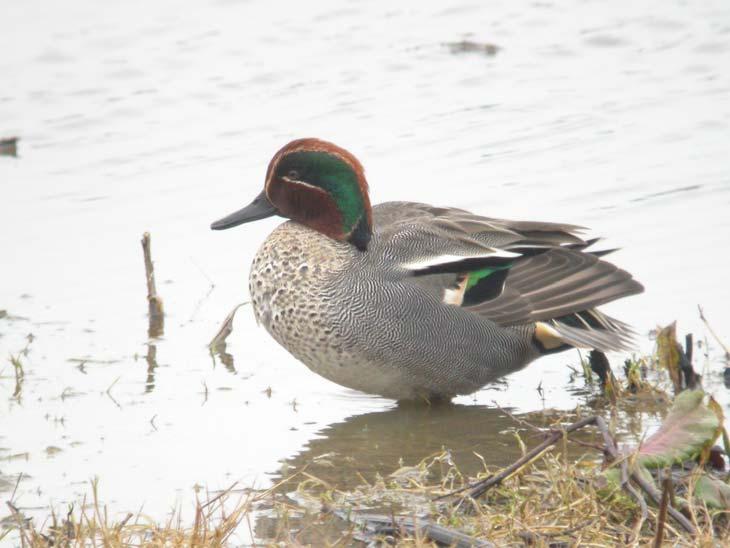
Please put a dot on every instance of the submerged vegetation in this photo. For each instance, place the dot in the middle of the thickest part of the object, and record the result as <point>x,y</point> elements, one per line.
<point>572,485</point>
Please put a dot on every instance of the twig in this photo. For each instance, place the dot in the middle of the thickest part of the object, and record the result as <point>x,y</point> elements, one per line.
<point>542,431</point>
<point>532,537</point>
<point>19,375</point>
<point>518,420</point>
<point>109,392</point>
<point>156,312</point>
<point>122,523</point>
<point>712,332</point>
<point>15,490</point>
<point>220,495</point>
<point>626,485</point>
<point>663,507</point>
<point>594,446</point>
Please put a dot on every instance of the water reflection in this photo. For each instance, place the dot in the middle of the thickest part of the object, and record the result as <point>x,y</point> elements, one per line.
<point>379,443</point>
<point>226,358</point>
<point>218,345</point>
<point>151,360</point>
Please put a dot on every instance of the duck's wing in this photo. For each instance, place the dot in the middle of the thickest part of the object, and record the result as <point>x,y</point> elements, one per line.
<point>512,272</point>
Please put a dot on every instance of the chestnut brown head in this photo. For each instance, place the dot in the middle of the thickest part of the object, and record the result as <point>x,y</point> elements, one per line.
<point>317,184</point>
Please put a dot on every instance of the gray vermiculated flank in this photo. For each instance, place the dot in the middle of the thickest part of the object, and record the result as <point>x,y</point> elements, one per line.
<point>363,321</point>
<point>358,320</point>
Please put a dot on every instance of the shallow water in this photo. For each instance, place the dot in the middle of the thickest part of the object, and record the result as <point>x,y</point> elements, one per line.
<point>154,116</point>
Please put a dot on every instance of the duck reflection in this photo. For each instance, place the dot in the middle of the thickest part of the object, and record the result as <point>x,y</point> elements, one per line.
<point>381,442</point>
<point>360,448</point>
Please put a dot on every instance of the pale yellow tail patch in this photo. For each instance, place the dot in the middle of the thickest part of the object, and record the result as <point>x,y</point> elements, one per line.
<point>455,295</point>
<point>549,338</point>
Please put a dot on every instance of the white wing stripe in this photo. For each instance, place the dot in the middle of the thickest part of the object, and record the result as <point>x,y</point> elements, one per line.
<point>430,262</point>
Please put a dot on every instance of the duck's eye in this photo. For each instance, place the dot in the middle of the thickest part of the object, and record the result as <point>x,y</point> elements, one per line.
<point>292,174</point>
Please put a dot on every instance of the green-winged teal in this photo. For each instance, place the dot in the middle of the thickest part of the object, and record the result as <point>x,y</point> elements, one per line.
<point>412,301</point>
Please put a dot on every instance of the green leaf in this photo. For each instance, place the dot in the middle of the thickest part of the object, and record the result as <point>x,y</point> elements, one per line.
<point>690,427</point>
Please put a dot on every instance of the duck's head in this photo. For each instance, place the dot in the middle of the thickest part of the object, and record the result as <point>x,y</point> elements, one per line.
<point>317,184</point>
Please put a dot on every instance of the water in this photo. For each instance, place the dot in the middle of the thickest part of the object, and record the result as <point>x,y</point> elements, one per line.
<point>163,116</point>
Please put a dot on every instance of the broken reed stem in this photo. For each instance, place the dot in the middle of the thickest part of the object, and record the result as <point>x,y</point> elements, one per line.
<point>663,507</point>
<point>712,332</point>
<point>156,311</point>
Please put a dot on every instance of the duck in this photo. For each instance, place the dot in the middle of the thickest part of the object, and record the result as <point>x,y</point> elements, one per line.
<point>415,302</point>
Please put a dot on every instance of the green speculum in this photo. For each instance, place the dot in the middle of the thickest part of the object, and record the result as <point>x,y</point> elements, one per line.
<point>333,175</point>
<point>484,284</point>
<point>477,275</point>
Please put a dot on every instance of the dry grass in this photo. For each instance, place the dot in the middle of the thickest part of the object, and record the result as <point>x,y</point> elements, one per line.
<point>554,501</point>
<point>88,524</point>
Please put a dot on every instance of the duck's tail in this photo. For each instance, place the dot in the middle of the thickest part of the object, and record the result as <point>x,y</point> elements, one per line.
<point>587,329</point>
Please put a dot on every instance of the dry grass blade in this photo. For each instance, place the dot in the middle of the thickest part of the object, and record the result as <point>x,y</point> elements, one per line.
<point>91,526</point>
<point>219,341</point>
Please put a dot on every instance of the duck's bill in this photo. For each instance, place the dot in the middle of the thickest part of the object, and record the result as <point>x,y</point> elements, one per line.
<point>260,208</point>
